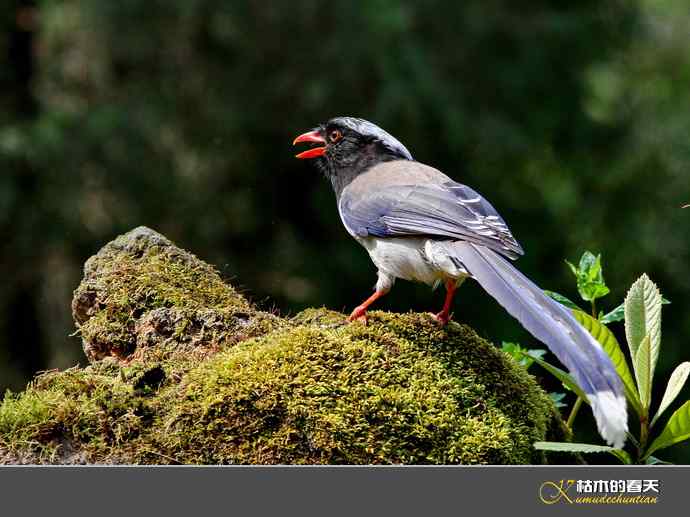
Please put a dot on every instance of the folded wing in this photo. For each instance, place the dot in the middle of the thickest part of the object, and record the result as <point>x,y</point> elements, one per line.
<point>447,209</point>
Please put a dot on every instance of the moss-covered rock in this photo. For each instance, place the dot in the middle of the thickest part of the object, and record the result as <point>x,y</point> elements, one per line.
<point>141,290</point>
<point>184,370</point>
<point>399,390</point>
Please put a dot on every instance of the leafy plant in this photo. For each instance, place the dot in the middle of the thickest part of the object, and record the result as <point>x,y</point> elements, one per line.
<point>590,278</point>
<point>591,286</point>
<point>641,312</point>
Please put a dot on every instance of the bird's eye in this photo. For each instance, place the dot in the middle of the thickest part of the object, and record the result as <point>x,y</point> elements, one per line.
<point>335,135</point>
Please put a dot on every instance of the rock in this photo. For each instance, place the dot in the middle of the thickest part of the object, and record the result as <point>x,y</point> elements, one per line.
<point>185,370</point>
<point>140,290</point>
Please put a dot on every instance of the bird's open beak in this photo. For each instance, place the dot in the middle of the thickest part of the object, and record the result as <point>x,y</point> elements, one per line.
<point>311,136</point>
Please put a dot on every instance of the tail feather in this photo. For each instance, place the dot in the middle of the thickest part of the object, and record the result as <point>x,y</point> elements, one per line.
<point>555,326</point>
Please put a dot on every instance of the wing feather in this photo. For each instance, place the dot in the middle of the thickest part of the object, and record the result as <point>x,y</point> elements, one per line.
<point>447,210</point>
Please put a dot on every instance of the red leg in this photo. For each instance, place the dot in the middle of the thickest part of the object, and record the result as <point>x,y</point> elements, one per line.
<point>360,312</point>
<point>443,317</point>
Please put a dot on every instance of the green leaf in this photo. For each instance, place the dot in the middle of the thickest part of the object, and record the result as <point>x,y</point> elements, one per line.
<point>623,456</point>
<point>643,371</point>
<point>521,355</point>
<point>653,460</point>
<point>677,430</point>
<point>536,353</point>
<point>586,448</point>
<point>571,447</point>
<point>574,269</point>
<point>675,384</point>
<point>561,299</point>
<point>564,377</point>
<point>610,345</point>
<point>617,314</point>
<point>512,349</point>
<point>557,399</point>
<point>642,318</point>
<point>590,279</point>
<point>590,264</point>
<point>596,291</point>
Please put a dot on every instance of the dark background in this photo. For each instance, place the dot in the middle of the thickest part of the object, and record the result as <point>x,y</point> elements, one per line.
<point>573,118</point>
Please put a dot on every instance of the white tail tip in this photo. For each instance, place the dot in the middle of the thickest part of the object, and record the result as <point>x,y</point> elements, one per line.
<point>611,416</point>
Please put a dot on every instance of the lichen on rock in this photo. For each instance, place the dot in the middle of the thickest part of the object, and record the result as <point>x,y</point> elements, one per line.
<point>185,370</point>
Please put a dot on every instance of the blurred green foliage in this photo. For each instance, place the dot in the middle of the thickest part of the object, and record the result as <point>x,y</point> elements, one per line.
<point>572,118</point>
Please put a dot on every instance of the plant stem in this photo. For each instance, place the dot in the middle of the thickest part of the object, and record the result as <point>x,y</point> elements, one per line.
<point>644,432</point>
<point>594,309</point>
<point>573,413</point>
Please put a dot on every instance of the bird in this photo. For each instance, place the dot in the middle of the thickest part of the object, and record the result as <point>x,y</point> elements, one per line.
<point>418,224</point>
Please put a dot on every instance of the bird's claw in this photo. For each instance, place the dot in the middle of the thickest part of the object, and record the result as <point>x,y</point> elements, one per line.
<point>442,318</point>
<point>358,314</point>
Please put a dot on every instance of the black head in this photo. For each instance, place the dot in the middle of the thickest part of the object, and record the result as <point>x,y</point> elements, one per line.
<point>348,146</point>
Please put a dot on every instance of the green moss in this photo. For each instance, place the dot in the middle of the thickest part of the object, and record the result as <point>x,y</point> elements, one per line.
<point>184,370</point>
<point>141,289</point>
<point>399,390</point>
<point>76,408</point>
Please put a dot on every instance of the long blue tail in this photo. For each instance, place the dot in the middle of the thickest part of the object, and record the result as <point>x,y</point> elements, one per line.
<point>555,326</point>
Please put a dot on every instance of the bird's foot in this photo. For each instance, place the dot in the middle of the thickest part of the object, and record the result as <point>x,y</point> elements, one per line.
<point>442,318</point>
<point>359,314</point>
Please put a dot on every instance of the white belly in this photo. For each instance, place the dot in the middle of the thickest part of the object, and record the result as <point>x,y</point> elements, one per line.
<point>412,258</point>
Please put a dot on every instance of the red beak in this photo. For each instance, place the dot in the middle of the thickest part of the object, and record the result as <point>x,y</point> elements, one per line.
<point>311,136</point>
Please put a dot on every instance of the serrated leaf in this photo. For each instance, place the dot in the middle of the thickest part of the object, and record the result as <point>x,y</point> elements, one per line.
<point>677,430</point>
<point>675,384</point>
<point>562,376</point>
<point>610,345</point>
<point>643,317</point>
<point>561,299</point>
<point>586,448</point>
